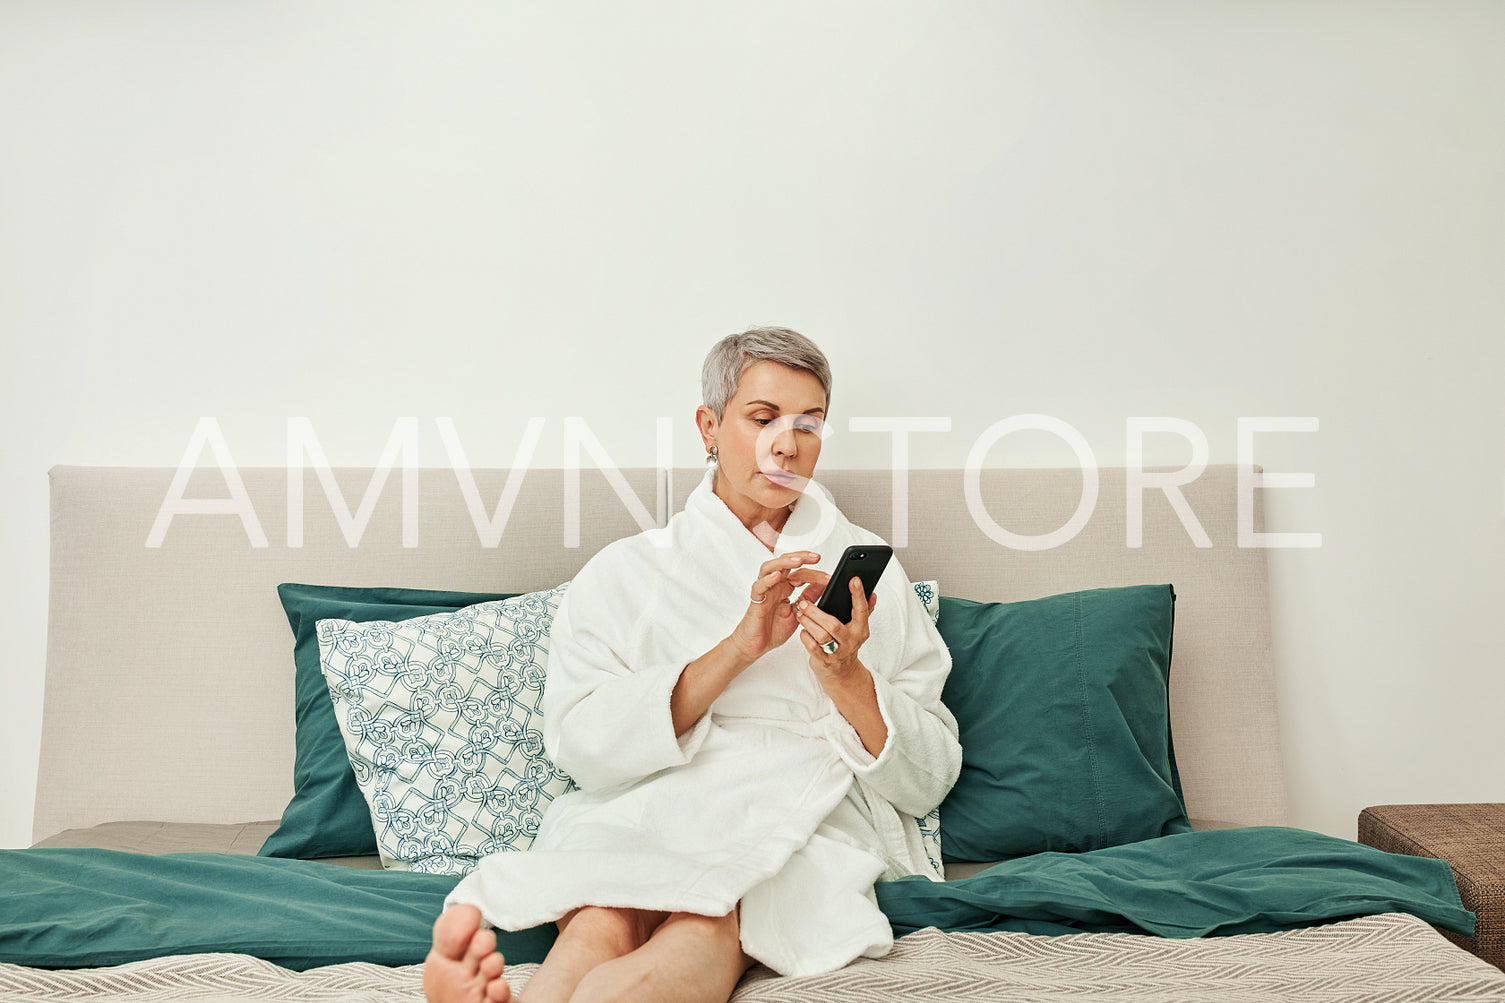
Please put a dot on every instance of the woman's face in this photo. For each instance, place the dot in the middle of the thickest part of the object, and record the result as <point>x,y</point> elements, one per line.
<point>791,405</point>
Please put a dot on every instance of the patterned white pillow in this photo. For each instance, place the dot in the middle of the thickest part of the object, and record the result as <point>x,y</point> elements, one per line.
<point>930,596</point>
<point>930,826</point>
<point>442,719</point>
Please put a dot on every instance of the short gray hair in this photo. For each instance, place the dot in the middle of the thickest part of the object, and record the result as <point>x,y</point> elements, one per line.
<point>730,357</point>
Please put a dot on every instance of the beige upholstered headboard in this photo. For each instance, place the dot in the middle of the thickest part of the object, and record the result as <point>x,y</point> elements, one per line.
<point>169,692</point>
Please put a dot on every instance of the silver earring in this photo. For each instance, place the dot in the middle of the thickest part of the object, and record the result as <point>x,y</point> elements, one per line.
<point>710,458</point>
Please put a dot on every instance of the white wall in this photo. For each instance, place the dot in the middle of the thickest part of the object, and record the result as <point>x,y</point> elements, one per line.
<point>493,210</point>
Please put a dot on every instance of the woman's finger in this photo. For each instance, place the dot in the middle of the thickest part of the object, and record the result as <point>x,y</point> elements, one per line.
<point>771,574</point>
<point>815,638</point>
<point>861,607</point>
<point>813,592</point>
<point>820,617</point>
<point>831,629</point>
<point>770,582</point>
<point>787,562</point>
<point>814,576</point>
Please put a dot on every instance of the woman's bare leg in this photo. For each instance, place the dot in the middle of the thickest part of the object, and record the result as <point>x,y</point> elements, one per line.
<point>688,959</point>
<point>588,937</point>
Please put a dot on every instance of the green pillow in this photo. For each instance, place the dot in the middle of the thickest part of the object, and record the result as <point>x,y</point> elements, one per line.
<point>1064,714</point>
<point>327,816</point>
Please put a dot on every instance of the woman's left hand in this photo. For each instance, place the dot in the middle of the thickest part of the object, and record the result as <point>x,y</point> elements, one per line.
<point>821,627</point>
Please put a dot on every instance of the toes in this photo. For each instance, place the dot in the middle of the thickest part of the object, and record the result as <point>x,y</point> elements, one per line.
<point>455,931</point>
<point>482,945</point>
<point>464,963</point>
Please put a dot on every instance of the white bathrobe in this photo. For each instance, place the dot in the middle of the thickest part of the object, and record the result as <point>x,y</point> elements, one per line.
<point>769,799</point>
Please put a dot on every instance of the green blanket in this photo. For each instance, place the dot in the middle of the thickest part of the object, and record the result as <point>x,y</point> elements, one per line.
<point>83,908</point>
<point>1196,884</point>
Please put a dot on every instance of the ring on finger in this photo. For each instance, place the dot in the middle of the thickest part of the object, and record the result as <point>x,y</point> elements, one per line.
<point>830,646</point>
<point>761,601</point>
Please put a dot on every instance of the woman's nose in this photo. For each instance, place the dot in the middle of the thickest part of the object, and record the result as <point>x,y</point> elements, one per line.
<point>784,443</point>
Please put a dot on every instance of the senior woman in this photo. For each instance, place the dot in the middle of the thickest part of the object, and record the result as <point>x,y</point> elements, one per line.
<point>743,780</point>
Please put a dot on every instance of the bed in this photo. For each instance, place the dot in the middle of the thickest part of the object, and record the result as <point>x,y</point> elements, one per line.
<point>174,753</point>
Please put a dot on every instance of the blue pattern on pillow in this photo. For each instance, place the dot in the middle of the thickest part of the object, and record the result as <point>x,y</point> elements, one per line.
<point>442,718</point>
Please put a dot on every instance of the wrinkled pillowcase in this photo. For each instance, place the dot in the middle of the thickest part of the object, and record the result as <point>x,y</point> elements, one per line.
<point>327,816</point>
<point>442,721</point>
<point>1064,713</point>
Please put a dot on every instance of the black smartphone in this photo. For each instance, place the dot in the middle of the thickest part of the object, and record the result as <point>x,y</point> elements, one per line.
<point>866,563</point>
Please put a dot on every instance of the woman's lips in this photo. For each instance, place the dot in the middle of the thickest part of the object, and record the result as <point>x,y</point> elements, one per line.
<point>783,478</point>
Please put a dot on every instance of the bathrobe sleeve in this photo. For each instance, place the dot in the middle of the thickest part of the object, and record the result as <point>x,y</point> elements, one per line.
<point>606,696</point>
<point>909,663</point>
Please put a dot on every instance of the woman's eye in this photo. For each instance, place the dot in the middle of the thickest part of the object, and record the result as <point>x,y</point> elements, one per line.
<point>801,426</point>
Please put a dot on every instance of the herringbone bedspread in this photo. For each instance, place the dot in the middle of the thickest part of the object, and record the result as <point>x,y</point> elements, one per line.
<point>1391,957</point>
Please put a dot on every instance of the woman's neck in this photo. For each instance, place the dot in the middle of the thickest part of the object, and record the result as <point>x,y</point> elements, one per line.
<point>763,523</point>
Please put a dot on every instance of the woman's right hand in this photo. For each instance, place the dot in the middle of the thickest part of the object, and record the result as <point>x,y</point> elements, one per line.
<point>767,624</point>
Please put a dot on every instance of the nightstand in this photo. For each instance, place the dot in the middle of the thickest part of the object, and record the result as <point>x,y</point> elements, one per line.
<point>1471,838</point>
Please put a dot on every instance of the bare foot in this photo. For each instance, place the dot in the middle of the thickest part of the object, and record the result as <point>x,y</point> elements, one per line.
<point>464,967</point>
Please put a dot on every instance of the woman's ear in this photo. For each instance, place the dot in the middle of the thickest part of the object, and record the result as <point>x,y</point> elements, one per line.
<point>705,420</point>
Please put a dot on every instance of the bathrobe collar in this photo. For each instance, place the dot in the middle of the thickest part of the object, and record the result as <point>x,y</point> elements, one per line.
<point>811,520</point>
